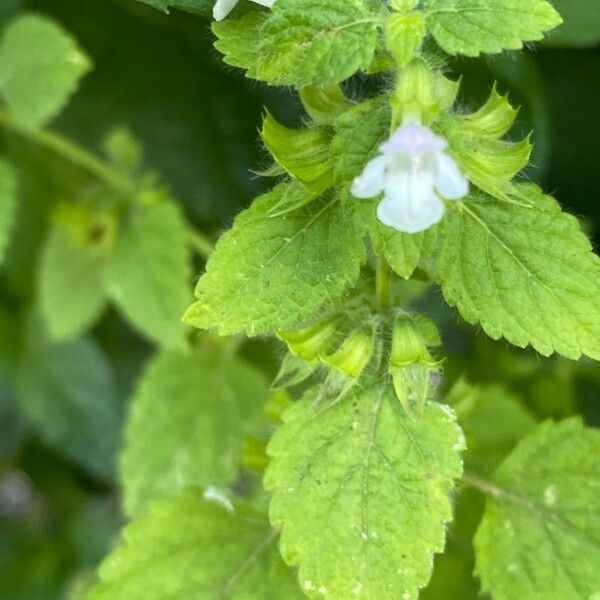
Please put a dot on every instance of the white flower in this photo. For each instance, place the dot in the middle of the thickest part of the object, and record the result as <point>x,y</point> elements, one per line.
<point>224,7</point>
<point>415,175</point>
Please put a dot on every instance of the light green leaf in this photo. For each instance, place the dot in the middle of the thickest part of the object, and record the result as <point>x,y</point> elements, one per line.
<point>314,42</point>
<point>540,534</point>
<point>72,290</point>
<point>473,26</point>
<point>149,274</point>
<point>8,204</point>
<point>525,272</point>
<point>187,424</point>
<point>68,393</point>
<point>40,68</point>
<point>188,547</point>
<point>361,492</point>
<point>269,273</point>
<point>239,40</point>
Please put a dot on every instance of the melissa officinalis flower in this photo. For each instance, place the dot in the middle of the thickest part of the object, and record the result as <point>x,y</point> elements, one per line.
<point>416,175</point>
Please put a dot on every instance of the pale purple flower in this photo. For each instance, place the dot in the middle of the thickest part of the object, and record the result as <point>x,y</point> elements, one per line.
<point>224,7</point>
<point>416,175</point>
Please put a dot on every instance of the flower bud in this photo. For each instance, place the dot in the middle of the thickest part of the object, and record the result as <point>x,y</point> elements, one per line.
<point>413,386</point>
<point>421,94</point>
<point>311,342</point>
<point>353,355</point>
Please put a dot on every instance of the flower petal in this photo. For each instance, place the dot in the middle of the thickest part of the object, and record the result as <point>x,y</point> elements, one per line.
<point>413,139</point>
<point>449,181</point>
<point>222,8</point>
<point>268,3</point>
<point>410,205</point>
<point>370,183</point>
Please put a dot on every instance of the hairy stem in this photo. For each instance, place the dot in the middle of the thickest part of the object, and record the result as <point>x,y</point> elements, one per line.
<point>382,285</point>
<point>71,151</point>
<point>200,243</point>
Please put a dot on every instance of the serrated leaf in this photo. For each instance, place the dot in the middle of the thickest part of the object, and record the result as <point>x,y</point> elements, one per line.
<point>269,273</point>
<point>540,534</point>
<point>361,492</point>
<point>524,272</point>
<point>40,68</point>
<point>149,273</point>
<point>8,204</point>
<point>187,423</point>
<point>68,392</point>
<point>314,42</point>
<point>239,40</point>
<point>188,547</point>
<point>72,290</point>
<point>471,27</point>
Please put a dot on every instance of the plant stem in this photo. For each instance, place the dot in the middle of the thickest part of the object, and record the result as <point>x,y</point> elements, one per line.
<point>72,152</point>
<point>93,165</point>
<point>200,243</point>
<point>382,285</point>
<point>483,486</point>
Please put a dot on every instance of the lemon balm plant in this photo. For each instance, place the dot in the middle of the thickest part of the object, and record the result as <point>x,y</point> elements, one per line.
<point>390,187</point>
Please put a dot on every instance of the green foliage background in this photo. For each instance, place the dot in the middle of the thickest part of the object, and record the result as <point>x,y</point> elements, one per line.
<point>63,404</point>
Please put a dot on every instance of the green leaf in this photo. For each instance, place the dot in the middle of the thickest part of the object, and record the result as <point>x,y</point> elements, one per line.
<point>187,423</point>
<point>149,274</point>
<point>524,272</point>
<point>470,27</point>
<point>201,7</point>
<point>8,204</point>
<point>68,392</point>
<point>239,40</point>
<point>361,492</point>
<point>188,547</point>
<point>72,290</point>
<point>314,42</point>
<point>540,534</point>
<point>269,273</point>
<point>40,68</point>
